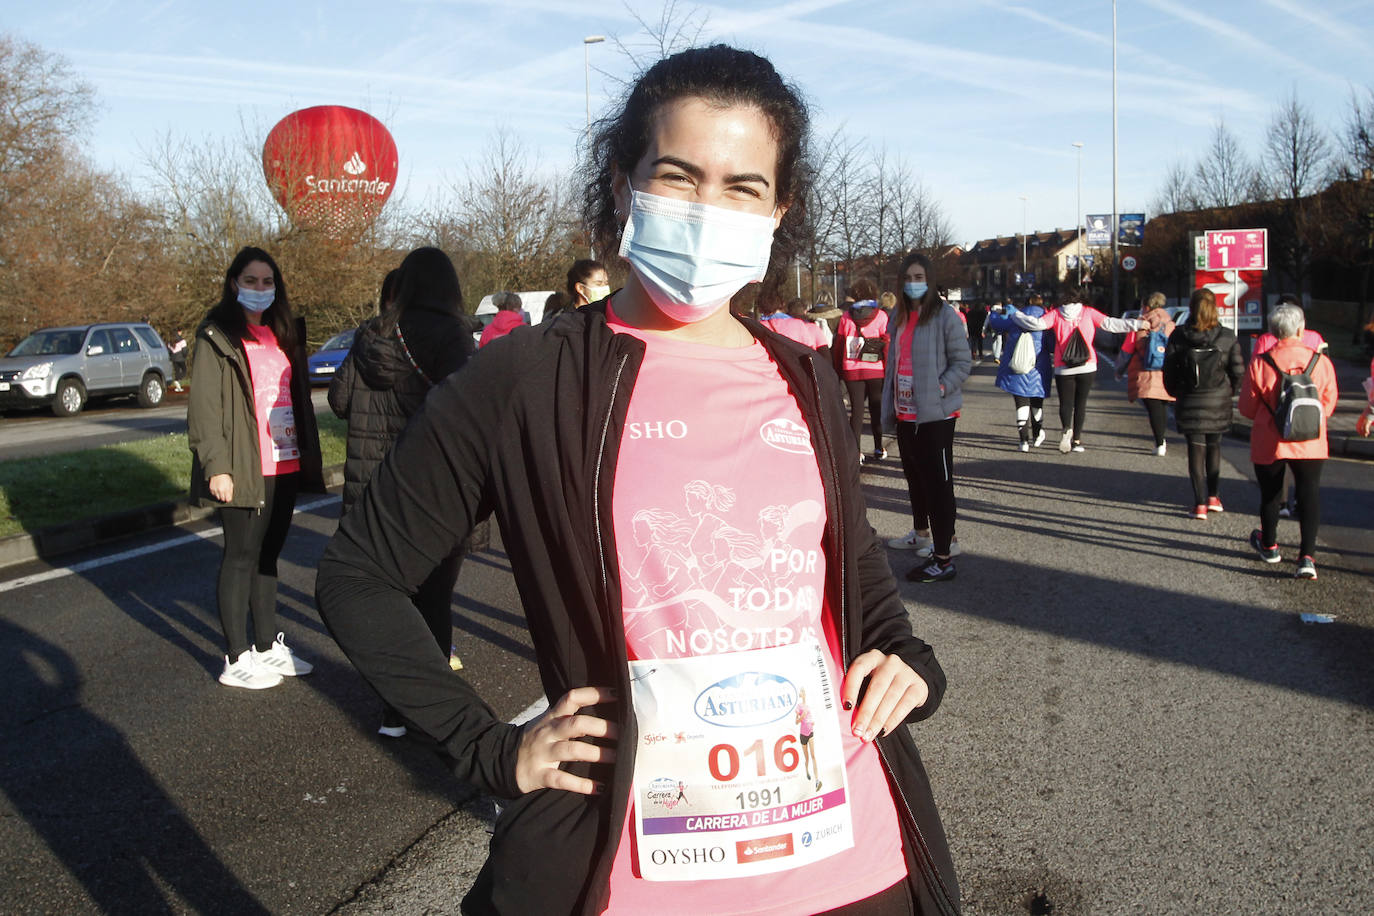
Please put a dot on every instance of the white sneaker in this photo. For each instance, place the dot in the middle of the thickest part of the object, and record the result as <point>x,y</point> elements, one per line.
<point>246,673</point>
<point>929,549</point>
<point>1040,438</point>
<point>910,541</point>
<point>1078,448</point>
<point>1161,450</point>
<point>281,659</point>
<point>1025,446</point>
<point>1066,441</point>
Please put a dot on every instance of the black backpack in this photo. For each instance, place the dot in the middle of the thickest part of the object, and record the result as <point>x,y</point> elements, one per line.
<point>1198,367</point>
<point>1298,410</point>
<point>1076,351</point>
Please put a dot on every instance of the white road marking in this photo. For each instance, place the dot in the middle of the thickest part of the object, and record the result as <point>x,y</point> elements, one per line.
<point>535,709</point>
<point>87,565</point>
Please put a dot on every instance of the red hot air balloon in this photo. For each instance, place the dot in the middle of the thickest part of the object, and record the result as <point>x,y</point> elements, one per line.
<point>331,168</point>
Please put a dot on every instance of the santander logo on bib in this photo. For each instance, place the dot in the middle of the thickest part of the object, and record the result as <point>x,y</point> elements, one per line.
<point>787,436</point>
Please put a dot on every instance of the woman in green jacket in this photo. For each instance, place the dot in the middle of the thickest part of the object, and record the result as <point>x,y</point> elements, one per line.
<point>254,446</point>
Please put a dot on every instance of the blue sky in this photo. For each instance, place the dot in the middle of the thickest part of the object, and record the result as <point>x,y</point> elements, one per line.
<point>982,97</point>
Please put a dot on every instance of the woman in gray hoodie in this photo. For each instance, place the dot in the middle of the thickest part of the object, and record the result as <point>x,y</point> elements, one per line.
<point>927,361</point>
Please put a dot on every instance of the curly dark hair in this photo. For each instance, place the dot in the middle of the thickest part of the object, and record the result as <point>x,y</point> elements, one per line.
<point>723,76</point>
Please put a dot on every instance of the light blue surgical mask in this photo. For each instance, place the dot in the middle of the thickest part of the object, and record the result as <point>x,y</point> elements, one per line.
<point>915,290</point>
<point>690,257</point>
<point>256,300</point>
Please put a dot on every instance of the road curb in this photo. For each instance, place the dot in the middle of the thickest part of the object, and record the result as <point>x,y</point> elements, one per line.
<point>56,540</point>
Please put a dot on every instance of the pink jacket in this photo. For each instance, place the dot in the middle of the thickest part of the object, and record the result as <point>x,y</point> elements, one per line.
<point>803,332</point>
<point>506,320</point>
<point>1144,383</point>
<point>1260,393</point>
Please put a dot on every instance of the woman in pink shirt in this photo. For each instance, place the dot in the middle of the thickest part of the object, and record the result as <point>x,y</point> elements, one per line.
<point>251,430</point>
<point>859,352</point>
<point>680,500</point>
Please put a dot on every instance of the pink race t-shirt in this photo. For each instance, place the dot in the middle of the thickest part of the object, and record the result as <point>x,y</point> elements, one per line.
<point>270,372</point>
<point>719,519</point>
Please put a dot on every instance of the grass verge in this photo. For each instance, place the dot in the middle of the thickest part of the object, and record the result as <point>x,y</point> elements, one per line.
<point>53,490</point>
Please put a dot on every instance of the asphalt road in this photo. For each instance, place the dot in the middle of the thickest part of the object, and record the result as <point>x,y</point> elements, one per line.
<point>1137,720</point>
<point>33,433</point>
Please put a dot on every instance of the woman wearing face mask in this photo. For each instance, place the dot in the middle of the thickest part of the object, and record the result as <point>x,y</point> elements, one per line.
<point>759,577</point>
<point>254,446</point>
<point>927,364</point>
<point>860,342</point>
<point>587,282</point>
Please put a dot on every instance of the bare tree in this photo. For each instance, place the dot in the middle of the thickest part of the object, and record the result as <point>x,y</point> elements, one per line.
<point>676,28</point>
<point>43,106</point>
<point>1350,227</point>
<point>1297,164</point>
<point>1177,193</point>
<point>1224,176</point>
<point>508,225</point>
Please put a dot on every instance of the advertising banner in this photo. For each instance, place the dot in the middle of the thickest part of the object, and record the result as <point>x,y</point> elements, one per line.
<point>1099,232</point>
<point>1239,296</point>
<point>1131,228</point>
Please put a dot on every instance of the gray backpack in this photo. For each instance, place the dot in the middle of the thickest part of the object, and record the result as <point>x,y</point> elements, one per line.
<point>1298,410</point>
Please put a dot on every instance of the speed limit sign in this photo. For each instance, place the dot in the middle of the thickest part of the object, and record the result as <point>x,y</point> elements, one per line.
<point>1128,263</point>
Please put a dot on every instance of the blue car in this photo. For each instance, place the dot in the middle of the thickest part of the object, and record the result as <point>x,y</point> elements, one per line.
<point>325,361</point>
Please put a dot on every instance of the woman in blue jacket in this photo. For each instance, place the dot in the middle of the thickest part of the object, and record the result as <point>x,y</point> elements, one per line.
<point>1027,389</point>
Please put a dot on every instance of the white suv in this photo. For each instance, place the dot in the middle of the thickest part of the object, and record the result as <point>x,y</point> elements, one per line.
<point>63,367</point>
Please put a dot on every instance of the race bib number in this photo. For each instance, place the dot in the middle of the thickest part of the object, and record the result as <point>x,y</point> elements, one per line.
<point>905,398</point>
<point>740,768</point>
<point>281,426</point>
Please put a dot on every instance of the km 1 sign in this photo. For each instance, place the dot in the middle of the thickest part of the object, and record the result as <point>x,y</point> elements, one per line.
<point>1244,249</point>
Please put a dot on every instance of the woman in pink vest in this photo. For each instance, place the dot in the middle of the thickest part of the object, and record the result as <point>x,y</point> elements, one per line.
<point>858,351</point>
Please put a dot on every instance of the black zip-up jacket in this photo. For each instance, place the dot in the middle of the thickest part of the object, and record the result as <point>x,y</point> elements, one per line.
<point>530,430</point>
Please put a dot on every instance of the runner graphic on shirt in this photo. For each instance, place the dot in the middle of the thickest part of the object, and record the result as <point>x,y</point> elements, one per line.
<point>726,574</point>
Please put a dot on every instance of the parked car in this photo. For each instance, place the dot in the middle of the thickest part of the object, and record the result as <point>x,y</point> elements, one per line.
<point>325,361</point>
<point>62,368</point>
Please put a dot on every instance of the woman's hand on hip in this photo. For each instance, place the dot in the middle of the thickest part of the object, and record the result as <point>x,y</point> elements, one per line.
<point>894,690</point>
<point>555,738</point>
<point>222,487</point>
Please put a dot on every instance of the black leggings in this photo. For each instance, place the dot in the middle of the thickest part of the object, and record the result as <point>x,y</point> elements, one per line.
<point>1307,475</point>
<point>1159,417</point>
<point>927,451</point>
<point>872,389</point>
<point>1204,465</point>
<point>1030,415</point>
<point>434,599</point>
<point>1073,400</point>
<point>253,540</point>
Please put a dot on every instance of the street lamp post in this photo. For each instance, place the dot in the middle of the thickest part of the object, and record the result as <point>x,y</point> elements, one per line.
<point>587,87</point>
<point>587,72</point>
<point>1078,218</point>
<point>1024,198</point>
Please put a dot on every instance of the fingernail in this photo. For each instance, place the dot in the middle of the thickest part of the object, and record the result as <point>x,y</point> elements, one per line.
<point>848,705</point>
<point>883,733</point>
<point>598,788</point>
